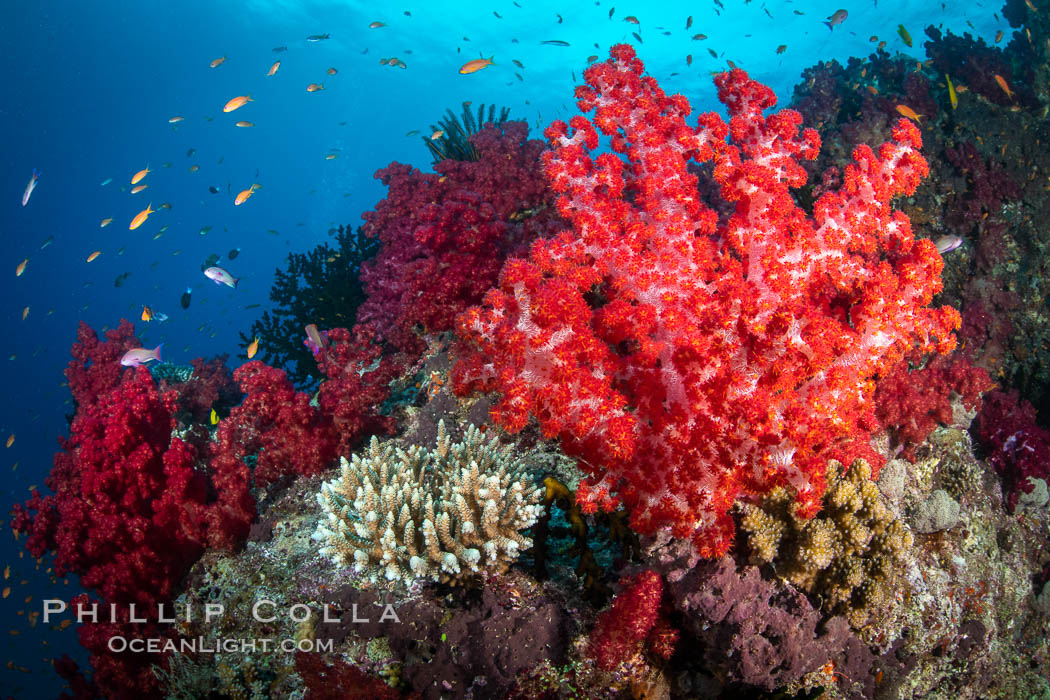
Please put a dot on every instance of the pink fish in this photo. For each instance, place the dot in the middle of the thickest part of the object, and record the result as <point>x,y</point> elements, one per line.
<point>140,356</point>
<point>946,244</point>
<point>221,276</point>
<point>30,187</point>
<point>315,340</point>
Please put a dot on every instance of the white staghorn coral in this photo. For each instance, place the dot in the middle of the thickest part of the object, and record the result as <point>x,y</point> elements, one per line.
<point>403,515</point>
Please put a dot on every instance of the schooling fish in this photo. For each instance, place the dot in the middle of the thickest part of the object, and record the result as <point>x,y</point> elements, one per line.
<point>141,217</point>
<point>243,196</point>
<point>233,254</point>
<point>317,37</point>
<point>30,187</point>
<point>237,103</point>
<point>476,65</point>
<point>184,300</point>
<point>253,348</point>
<point>838,18</point>
<point>555,42</point>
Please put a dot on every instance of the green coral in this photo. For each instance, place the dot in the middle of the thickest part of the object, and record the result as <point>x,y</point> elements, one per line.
<point>848,555</point>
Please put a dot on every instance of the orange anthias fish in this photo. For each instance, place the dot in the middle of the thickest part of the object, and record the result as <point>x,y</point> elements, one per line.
<point>147,313</point>
<point>140,174</point>
<point>332,71</point>
<point>243,124</point>
<point>175,120</point>
<point>906,111</point>
<point>243,196</point>
<point>253,348</point>
<point>476,65</point>
<point>314,87</point>
<point>217,62</point>
<point>93,255</point>
<point>138,188</point>
<point>274,67</point>
<point>237,103</point>
<point>1001,82</point>
<point>141,217</point>
<point>21,267</point>
<point>106,222</point>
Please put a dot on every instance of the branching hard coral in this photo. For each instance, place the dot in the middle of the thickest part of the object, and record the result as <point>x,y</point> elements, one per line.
<point>847,555</point>
<point>440,514</point>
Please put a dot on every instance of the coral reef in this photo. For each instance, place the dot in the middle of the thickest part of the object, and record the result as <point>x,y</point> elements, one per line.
<point>686,359</point>
<point>454,140</point>
<point>441,514</point>
<point>444,235</point>
<point>848,555</point>
<point>322,287</point>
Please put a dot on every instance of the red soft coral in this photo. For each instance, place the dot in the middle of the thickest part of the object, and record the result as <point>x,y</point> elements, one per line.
<point>687,358</point>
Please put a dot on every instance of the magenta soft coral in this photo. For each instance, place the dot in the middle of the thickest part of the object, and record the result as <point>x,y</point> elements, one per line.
<point>688,358</point>
<point>445,235</point>
<point>1015,444</point>
<point>910,403</point>
<point>633,620</point>
<point>278,425</point>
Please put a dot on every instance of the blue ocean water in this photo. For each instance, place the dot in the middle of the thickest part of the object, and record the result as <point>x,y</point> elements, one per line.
<point>89,93</point>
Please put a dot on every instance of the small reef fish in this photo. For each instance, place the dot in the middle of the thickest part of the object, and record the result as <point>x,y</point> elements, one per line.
<point>221,276</point>
<point>999,80</point>
<point>906,111</point>
<point>376,25</point>
<point>314,87</point>
<point>253,348</point>
<point>836,19</point>
<point>47,241</point>
<point>699,37</point>
<point>184,300</point>
<point>946,244</point>
<point>194,168</point>
<point>105,182</point>
<point>137,177</point>
<point>436,135</point>
<point>147,314</point>
<point>175,120</point>
<point>243,196</point>
<point>121,278</point>
<point>332,71</point>
<point>204,230</point>
<point>279,49</point>
<point>213,418</point>
<point>140,356</point>
<point>315,340</point>
<point>165,205</point>
<point>317,37</point>
<point>905,36</point>
<point>331,156</point>
<point>237,103</point>
<point>952,97</point>
<point>554,42</point>
<point>232,255</point>
<point>141,217</point>
<point>999,36</point>
<point>273,68</point>
<point>217,62</point>
<point>93,255</point>
<point>21,267</point>
<point>25,312</point>
<point>138,188</point>
<point>30,187</point>
<point>244,124</point>
<point>476,65</point>
<point>782,48</point>
<point>10,441</point>
<point>106,222</point>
